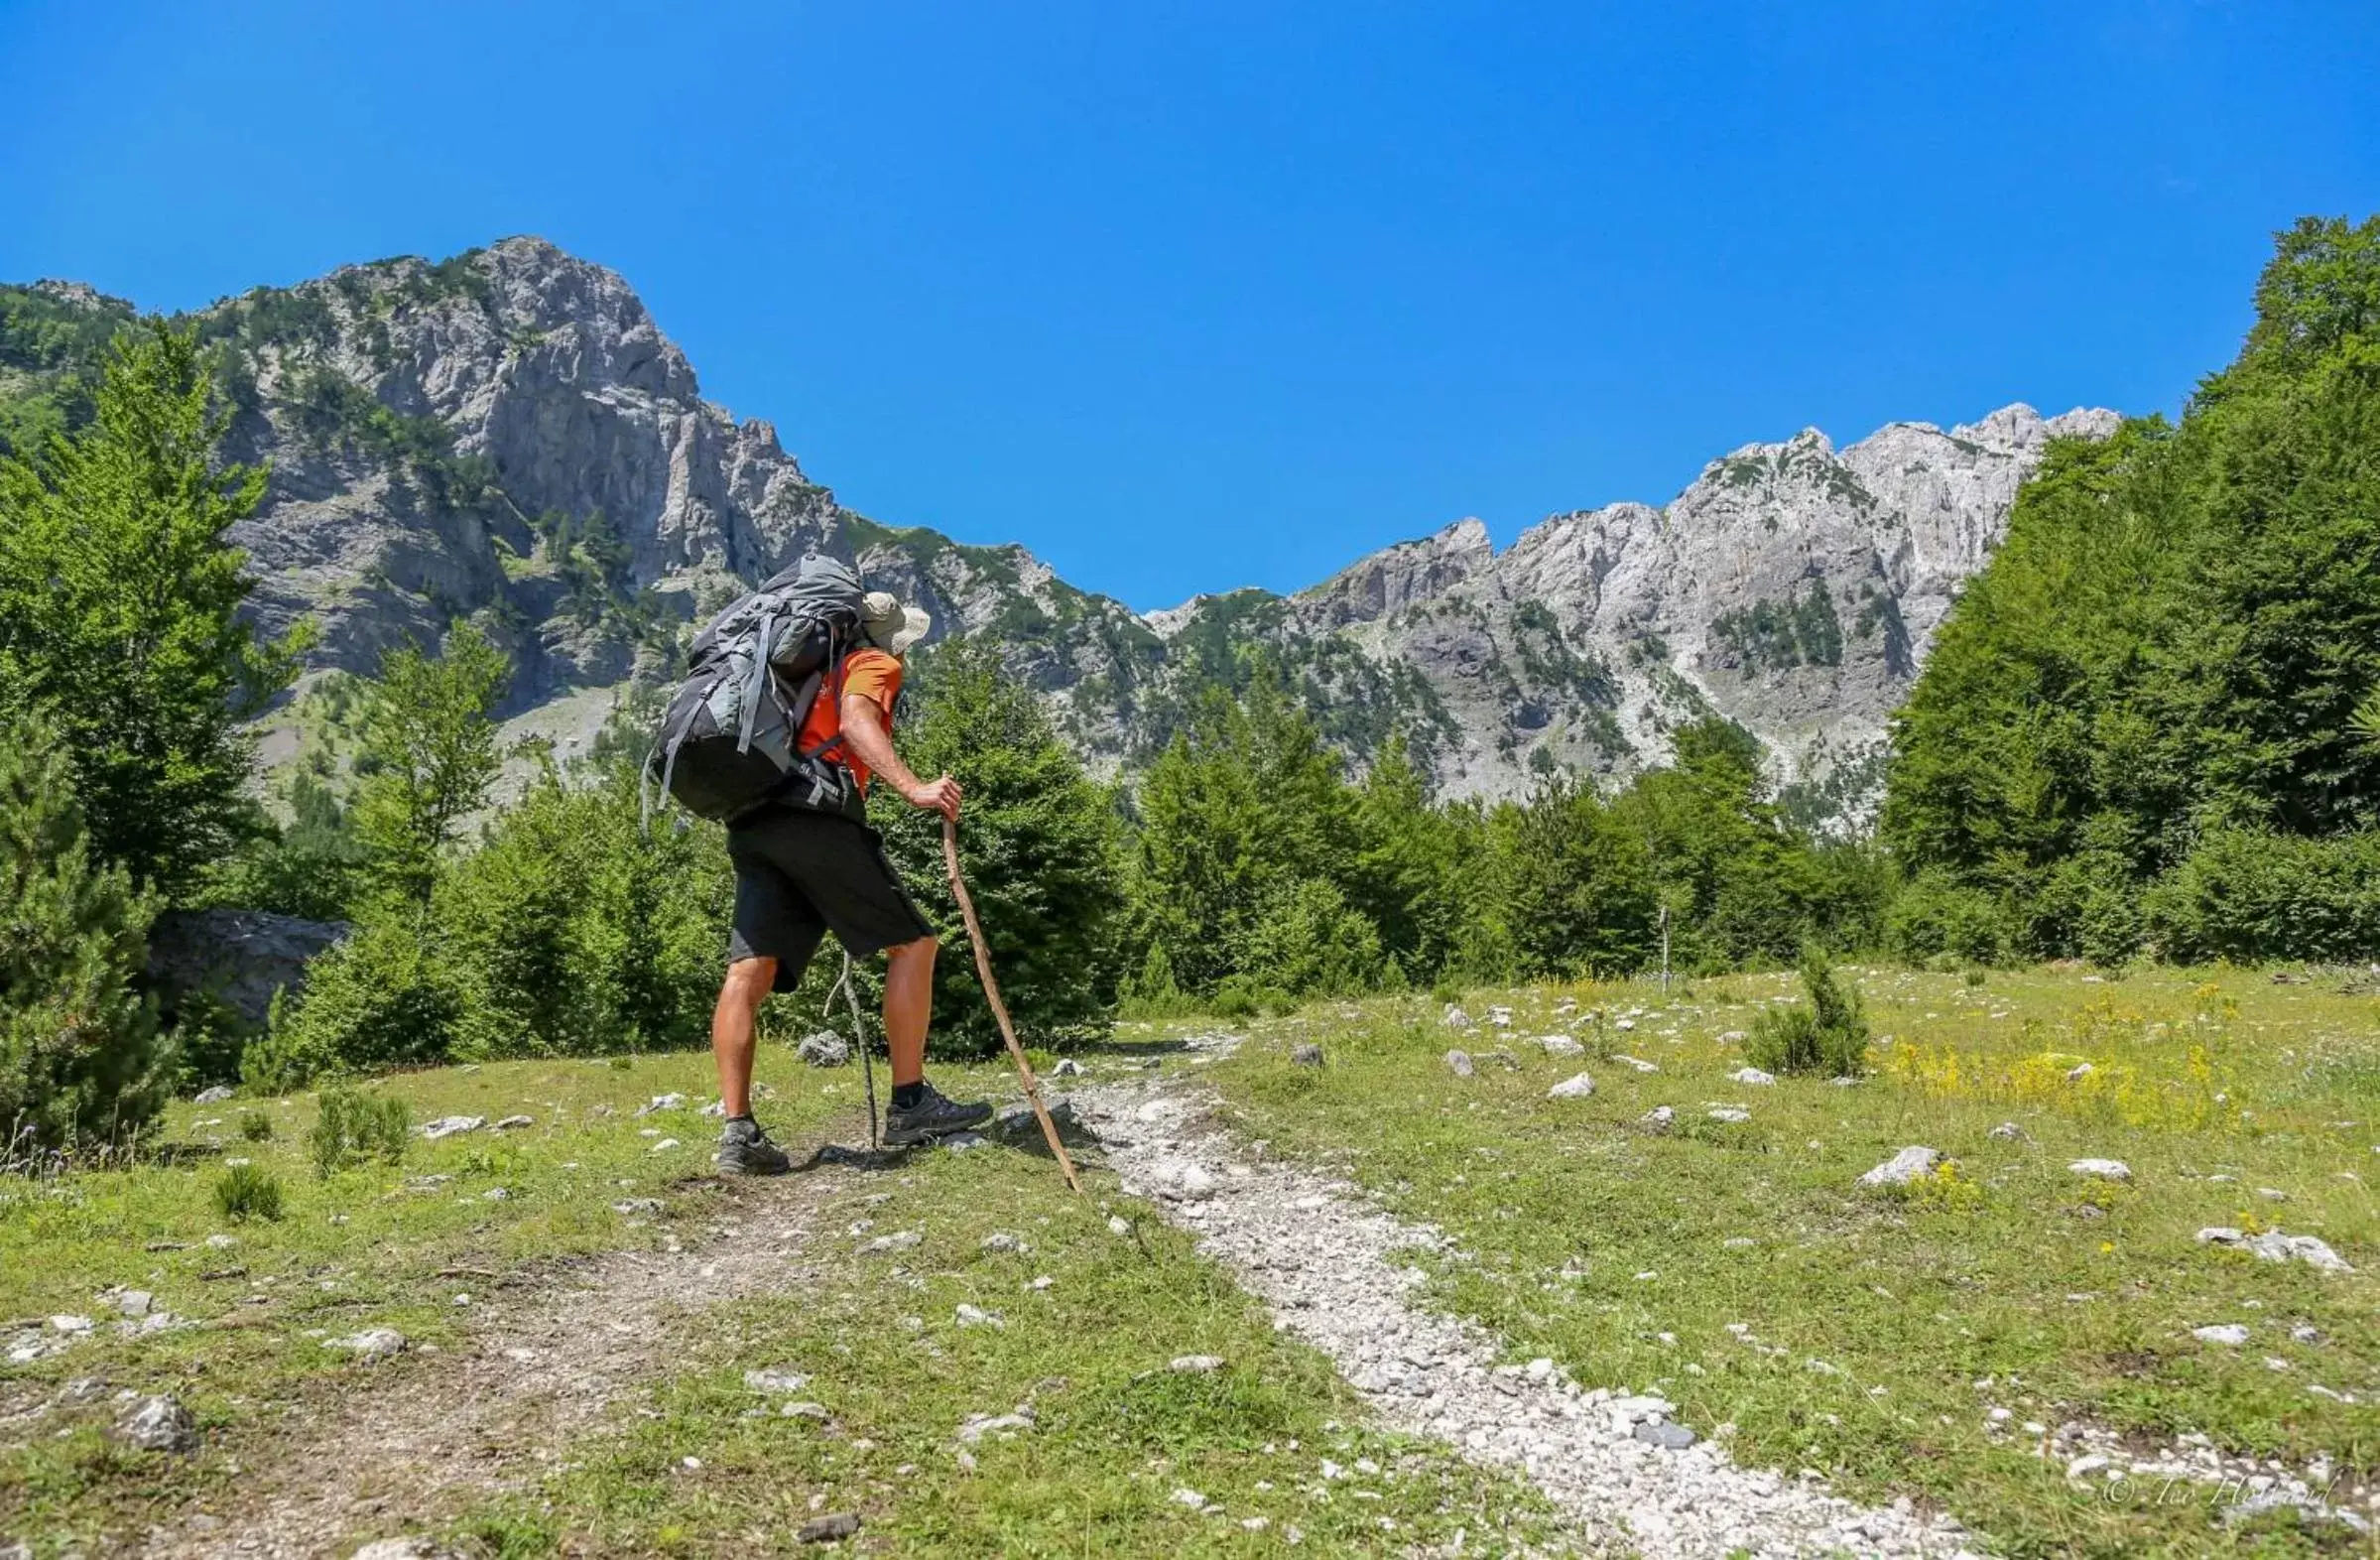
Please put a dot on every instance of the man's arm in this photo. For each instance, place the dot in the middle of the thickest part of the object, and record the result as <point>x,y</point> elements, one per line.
<point>864,732</point>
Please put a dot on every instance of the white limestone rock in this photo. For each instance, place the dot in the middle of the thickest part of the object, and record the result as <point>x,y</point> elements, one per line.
<point>2101,1169</point>
<point>553,372</point>
<point>1903,1167</point>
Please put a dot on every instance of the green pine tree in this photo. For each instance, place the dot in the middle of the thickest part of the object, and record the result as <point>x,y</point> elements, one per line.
<point>1574,887</point>
<point>1041,844</point>
<point>1206,858</point>
<point>119,611</point>
<point>1405,875</point>
<point>80,1057</point>
<point>1739,888</point>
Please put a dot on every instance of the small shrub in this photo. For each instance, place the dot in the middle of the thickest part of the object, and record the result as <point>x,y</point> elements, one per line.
<point>1828,1035</point>
<point>246,1192</point>
<point>1446,993</point>
<point>355,1126</point>
<point>1232,999</point>
<point>1945,1190</point>
<point>1973,977</point>
<point>1154,993</point>
<point>255,1127</point>
<point>209,1036</point>
<point>379,999</point>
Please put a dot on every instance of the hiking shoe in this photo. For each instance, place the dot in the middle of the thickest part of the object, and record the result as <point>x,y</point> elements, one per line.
<point>931,1117</point>
<point>744,1150</point>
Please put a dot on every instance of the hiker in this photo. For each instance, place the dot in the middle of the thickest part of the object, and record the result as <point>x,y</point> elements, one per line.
<point>800,871</point>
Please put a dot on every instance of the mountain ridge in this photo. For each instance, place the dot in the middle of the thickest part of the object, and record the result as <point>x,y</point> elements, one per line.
<point>509,434</point>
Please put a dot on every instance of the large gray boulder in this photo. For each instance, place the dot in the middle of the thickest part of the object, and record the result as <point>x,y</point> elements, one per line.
<point>239,957</point>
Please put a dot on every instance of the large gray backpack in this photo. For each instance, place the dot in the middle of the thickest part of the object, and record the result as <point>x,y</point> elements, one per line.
<point>729,742</point>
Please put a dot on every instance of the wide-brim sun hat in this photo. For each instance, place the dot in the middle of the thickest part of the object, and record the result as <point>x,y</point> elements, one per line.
<point>893,624</point>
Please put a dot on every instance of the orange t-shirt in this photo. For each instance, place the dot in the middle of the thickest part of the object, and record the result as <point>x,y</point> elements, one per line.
<point>869,673</point>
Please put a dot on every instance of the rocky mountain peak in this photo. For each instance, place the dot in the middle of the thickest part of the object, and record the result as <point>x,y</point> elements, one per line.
<point>1400,576</point>
<point>509,434</point>
<point>75,295</point>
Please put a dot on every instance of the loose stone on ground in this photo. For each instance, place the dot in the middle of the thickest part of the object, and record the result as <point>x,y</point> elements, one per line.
<point>1903,1167</point>
<point>1332,1269</point>
<point>157,1424</point>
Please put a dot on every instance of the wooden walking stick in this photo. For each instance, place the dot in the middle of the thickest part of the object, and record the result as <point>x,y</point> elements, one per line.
<point>991,993</point>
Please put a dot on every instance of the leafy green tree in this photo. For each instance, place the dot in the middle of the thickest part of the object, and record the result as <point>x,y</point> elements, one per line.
<point>2322,290</point>
<point>570,930</point>
<point>2249,895</point>
<point>430,755</point>
<point>1937,917</point>
<point>1406,874</point>
<point>1308,941</point>
<point>574,930</point>
<point>513,919</point>
<point>312,866</point>
<point>1258,857</point>
<point>1310,812</point>
<point>119,611</point>
<point>385,997</point>
<point>661,896</point>
<point>1576,886</point>
<point>1205,847</point>
<point>1041,843</point>
<point>80,1058</point>
<point>2176,638</point>
<point>1738,886</point>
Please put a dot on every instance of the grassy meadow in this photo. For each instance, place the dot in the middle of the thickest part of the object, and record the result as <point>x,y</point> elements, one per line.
<point>1739,1268</point>
<point>1733,1267</point>
<point>689,1459</point>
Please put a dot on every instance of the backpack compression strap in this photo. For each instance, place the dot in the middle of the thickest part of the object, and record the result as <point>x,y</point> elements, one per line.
<point>763,682</point>
<point>674,740</point>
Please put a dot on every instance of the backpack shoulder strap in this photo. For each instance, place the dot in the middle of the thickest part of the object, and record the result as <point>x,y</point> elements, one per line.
<point>834,691</point>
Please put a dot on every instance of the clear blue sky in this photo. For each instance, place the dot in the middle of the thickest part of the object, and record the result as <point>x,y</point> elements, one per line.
<point>1186,295</point>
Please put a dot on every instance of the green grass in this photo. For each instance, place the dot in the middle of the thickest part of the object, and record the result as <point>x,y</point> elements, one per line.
<point>1627,1255</point>
<point>708,1465</point>
<point>366,1246</point>
<point>362,1247</point>
<point>2009,1283</point>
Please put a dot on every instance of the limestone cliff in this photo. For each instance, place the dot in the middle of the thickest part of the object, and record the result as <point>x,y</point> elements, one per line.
<point>508,434</point>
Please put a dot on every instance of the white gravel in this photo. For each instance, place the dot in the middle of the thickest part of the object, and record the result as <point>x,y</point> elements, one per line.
<point>1328,1264</point>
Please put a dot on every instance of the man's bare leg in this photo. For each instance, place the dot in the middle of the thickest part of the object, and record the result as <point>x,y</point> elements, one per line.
<point>908,1004</point>
<point>731,1023</point>
<point>917,1113</point>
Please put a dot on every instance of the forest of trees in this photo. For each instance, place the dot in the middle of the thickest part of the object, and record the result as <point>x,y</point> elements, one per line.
<point>2150,728</point>
<point>2139,729</point>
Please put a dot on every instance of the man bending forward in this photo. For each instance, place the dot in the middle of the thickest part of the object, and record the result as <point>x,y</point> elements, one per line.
<point>799,874</point>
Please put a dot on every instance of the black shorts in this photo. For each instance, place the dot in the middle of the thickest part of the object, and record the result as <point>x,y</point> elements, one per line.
<point>800,874</point>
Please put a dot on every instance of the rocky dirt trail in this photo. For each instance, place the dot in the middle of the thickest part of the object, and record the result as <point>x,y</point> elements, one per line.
<point>417,1438</point>
<point>1327,1263</point>
<point>551,1358</point>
